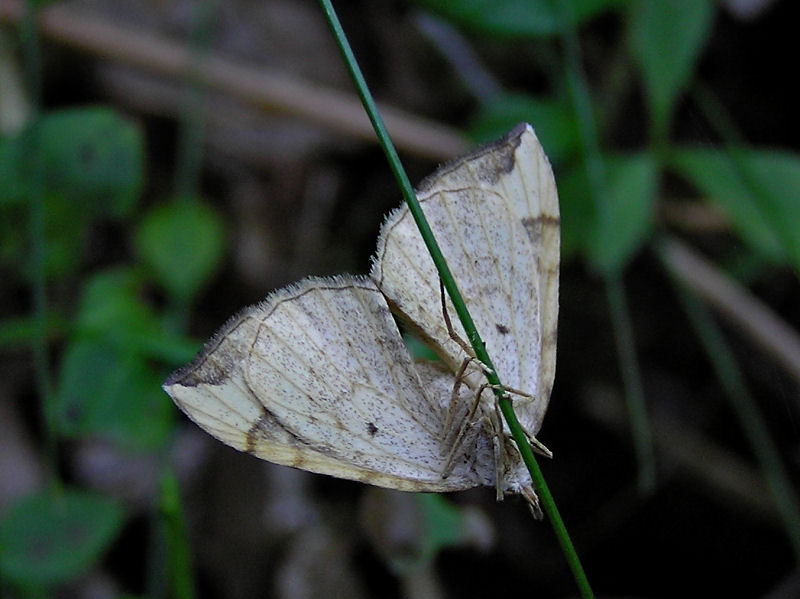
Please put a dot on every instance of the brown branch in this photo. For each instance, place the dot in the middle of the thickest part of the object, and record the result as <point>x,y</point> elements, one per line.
<point>257,86</point>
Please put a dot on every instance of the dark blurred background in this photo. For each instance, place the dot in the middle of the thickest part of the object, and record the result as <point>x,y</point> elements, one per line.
<point>163,164</point>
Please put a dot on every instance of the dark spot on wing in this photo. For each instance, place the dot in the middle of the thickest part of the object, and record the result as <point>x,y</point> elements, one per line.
<point>502,329</point>
<point>371,429</point>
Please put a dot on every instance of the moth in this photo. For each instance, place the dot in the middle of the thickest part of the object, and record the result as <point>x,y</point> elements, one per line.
<point>317,375</point>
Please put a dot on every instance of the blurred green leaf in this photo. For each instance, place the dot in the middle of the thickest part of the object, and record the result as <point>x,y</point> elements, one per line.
<point>444,524</point>
<point>112,308</point>
<point>666,37</point>
<point>182,242</point>
<point>88,164</point>
<point>418,349</point>
<point>107,386</point>
<point>759,190</point>
<point>111,299</point>
<point>632,182</point>
<point>91,156</point>
<point>64,243</point>
<point>65,231</point>
<point>512,18</point>
<point>19,332</point>
<point>610,242</point>
<point>554,122</point>
<point>578,218</point>
<point>52,538</point>
<point>107,392</point>
<point>95,155</point>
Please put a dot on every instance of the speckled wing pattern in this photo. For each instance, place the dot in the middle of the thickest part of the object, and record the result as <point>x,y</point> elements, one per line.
<point>495,216</point>
<point>317,375</point>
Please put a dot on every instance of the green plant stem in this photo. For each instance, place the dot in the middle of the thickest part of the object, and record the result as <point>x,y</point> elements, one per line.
<point>35,166</point>
<point>634,391</point>
<point>631,377</point>
<point>746,410</point>
<point>180,580</point>
<point>192,124</point>
<point>547,501</point>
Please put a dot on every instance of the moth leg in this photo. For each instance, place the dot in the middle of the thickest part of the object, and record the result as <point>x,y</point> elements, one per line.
<point>455,336</point>
<point>466,346</point>
<point>467,424</point>
<point>510,390</point>
<point>491,423</point>
<point>451,409</point>
<point>532,499</point>
<point>535,444</point>
<point>450,330</point>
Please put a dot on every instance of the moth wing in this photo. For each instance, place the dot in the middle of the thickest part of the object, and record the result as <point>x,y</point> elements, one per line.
<point>495,216</point>
<point>317,377</point>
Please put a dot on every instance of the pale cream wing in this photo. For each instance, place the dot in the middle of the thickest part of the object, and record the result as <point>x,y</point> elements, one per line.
<point>317,377</point>
<point>495,216</point>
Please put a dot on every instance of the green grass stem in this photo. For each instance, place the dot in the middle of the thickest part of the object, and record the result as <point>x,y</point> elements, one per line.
<point>192,116</point>
<point>36,223</point>
<point>744,406</point>
<point>615,292</point>
<point>545,497</point>
<point>180,582</point>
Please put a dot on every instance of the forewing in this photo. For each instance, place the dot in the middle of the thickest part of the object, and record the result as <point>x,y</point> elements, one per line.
<point>317,377</point>
<point>495,216</point>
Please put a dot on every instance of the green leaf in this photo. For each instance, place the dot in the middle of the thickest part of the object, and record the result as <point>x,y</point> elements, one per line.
<point>20,331</point>
<point>106,392</point>
<point>111,298</point>
<point>759,191</point>
<point>182,242</point>
<point>666,37</point>
<point>632,182</point>
<point>112,309</point>
<point>553,121</point>
<point>512,18</point>
<point>609,242</point>
<point>94,155</point>
<point>87,163</point>
<point>91,156</point>
<point>578,218</point>
<point>418,349</point>
<point>444,525</point>
<point>52,538</point>
<point>64,242</point>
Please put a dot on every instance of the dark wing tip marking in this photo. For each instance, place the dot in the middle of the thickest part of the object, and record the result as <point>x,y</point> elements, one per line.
<point>503,159</point>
